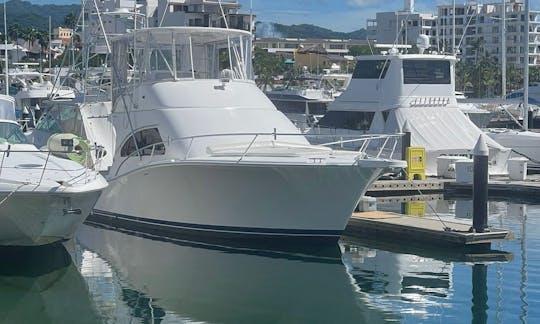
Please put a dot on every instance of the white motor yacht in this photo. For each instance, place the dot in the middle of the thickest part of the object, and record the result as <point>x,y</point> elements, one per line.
<point>388,91</point>
<point>34,88</point>
<point>200,148</point>
<point>43,198</point>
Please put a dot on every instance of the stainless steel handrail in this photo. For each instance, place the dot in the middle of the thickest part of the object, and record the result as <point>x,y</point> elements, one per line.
<point>365,139</point>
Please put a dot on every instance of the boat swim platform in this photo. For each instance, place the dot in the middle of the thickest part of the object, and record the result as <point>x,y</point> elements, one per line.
<point>402,228</point>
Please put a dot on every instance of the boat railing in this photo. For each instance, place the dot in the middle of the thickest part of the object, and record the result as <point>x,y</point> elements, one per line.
<point>85,164</point>
<point>379,146</point>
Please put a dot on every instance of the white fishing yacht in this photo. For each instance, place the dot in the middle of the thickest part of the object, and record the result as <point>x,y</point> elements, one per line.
<point>389,90</point>
<point>200,147</point>
<point>43,198</point>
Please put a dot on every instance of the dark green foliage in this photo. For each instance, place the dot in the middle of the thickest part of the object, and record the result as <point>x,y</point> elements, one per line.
<point>24,13</point>
<point>266,66</point>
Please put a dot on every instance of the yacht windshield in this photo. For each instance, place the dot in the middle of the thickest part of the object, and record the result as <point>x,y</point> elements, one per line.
<point>371,69</point>
<point>62,119</point>
<point>11,133</point>
<point>426,72</point>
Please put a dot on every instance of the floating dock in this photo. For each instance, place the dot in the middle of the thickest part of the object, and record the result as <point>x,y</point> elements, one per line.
<point>404,187</point>
<point>399,227</point>
<point>527,190</point>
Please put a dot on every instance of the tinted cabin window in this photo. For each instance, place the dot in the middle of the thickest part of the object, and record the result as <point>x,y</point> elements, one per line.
<point>354,120</point>
<point>372,69</point>
<point>145,139</point>
<point>426,72</point>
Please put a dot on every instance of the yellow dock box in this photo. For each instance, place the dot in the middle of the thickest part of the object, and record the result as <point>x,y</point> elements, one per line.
<point>416,163</point>
<point>415,208</point>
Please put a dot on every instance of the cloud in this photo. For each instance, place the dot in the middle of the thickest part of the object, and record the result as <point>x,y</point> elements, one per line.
<point>362,3</point>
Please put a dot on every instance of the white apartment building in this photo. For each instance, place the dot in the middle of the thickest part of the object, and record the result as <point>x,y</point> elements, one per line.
<point>202,13</point>
<point>474,27</point>
<point>479,27</point>
<point>116,17</point>
<point>401,27</point>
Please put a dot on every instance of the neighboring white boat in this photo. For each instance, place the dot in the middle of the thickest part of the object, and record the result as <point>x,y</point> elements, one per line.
<point>34,88</point>
<point>387,91</point>
<point>480,117</point>
<point>524,143</point>
<point>200,147</point>
<point>534,94</point>
<point>306,103</point>
<point>43,198</point>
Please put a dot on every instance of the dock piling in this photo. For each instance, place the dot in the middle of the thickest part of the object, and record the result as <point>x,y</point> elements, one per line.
<point>406,140</point>
<point>480,185</point>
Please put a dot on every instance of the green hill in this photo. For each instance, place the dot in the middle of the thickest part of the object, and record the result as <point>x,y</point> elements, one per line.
<point>28,15</point>
<point>275,30</point>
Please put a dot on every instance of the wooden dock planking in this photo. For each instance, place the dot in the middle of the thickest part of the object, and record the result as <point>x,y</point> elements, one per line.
<point>406,228</point>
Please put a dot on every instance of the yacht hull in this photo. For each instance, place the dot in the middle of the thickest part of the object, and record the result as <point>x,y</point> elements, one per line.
<point>33,219</point>
<point>239,199</point>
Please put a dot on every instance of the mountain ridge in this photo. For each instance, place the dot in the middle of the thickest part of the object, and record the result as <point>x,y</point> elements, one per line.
<point>277,30</point>
<point>31,15</point>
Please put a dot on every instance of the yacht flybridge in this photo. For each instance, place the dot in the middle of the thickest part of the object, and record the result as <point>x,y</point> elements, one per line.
<point>200,147</point>
<point>388,91</point>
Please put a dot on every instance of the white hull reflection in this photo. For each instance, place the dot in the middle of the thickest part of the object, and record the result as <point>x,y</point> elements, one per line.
<point>201,282</point>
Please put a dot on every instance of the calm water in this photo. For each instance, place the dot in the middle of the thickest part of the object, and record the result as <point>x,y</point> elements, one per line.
<point>107,276</point>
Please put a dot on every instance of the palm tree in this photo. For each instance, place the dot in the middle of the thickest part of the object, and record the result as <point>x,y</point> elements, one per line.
<point>70,20</point>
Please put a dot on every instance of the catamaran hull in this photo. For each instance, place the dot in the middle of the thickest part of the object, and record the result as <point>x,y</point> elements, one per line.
<point>227,198</point>
<point>32,219</point>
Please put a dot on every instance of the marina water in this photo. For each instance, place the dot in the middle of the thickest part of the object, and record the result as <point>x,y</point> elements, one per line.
<point>109,275</point>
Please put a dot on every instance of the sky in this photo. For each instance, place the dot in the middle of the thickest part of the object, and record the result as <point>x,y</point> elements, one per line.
<point>338,15</point>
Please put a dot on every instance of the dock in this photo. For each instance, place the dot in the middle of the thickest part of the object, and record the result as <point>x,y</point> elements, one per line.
<point>406,187</point>
<point>418,229</point>
<point>498,187</point>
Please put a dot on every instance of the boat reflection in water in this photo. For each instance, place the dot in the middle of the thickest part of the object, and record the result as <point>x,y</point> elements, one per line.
<point>42,285</point>
<point>196,281</point>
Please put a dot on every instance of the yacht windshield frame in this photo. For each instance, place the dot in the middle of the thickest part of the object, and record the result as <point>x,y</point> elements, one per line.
<point>180,53</point>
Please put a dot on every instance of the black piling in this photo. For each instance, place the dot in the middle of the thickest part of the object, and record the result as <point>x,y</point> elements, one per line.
<point>405,141</point>
<point>480,185</point>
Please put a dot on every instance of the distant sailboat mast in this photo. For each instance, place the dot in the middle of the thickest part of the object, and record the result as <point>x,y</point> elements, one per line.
<point>526,70</point>
<point>6,74</point>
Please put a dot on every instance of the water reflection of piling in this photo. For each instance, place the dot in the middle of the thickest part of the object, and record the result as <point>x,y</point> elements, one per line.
<point>479,294</point>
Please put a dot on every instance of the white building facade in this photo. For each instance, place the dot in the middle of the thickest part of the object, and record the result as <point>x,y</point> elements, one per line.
<point>467,29</point>
<point>401,27</point>
<point>479,27</point>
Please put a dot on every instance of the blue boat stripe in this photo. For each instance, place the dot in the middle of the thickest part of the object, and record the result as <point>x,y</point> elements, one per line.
<point>230,229</point>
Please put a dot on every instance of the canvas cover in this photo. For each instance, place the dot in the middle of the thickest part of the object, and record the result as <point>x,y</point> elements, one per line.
<point>444,131</point>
